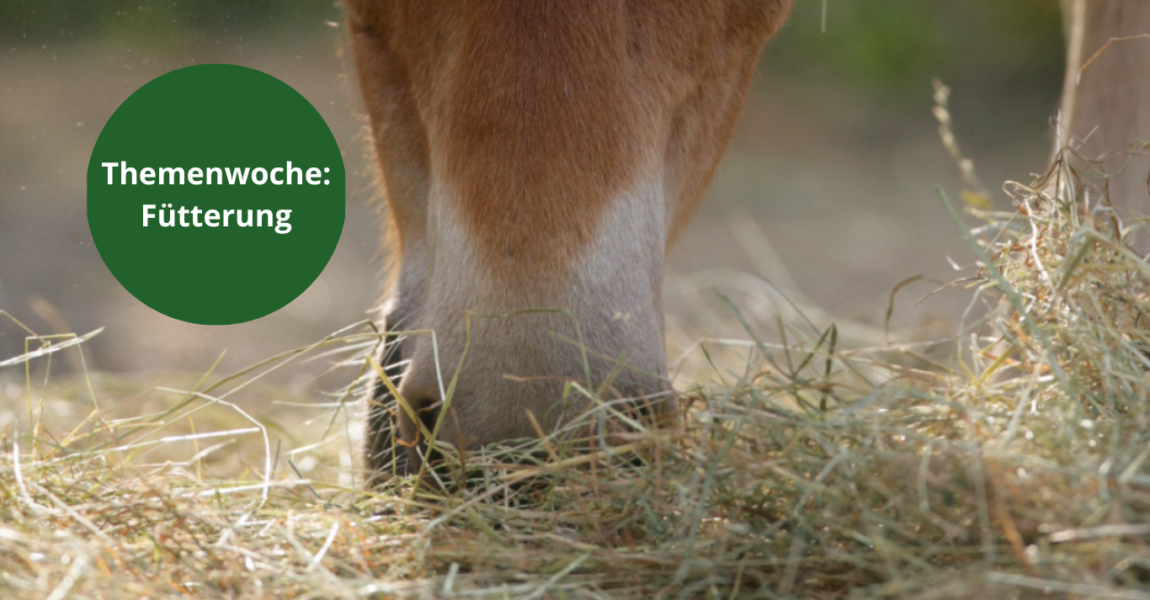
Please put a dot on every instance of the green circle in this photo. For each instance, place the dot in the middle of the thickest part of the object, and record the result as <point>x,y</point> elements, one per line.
<point>220,119</point>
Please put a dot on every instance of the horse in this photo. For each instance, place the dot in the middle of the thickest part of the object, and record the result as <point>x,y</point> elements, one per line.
<point>538,160</point>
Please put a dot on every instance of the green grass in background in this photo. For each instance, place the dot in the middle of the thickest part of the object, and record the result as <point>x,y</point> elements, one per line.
<point>888,47</point>
<point>891,47</point>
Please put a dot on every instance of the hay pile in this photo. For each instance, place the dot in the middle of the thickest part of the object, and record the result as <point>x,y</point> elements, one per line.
<point>1020,470</point>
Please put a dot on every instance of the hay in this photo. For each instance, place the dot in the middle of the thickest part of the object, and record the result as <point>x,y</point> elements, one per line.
<point>809,471</point>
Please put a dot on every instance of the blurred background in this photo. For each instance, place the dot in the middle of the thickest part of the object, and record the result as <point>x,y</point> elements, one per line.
<point>828,187</point>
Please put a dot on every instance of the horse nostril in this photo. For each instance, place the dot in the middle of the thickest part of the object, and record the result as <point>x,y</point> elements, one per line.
<point>428,412</point>
<point>417,423</point>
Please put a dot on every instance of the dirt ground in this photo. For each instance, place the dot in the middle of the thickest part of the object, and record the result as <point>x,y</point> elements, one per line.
<point>841,189</point>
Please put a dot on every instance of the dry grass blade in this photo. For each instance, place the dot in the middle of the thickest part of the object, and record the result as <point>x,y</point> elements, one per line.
<point>812,470</point>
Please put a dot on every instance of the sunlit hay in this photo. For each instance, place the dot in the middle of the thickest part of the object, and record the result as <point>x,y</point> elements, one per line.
<point>1078,311</point>
<point>802,469</point>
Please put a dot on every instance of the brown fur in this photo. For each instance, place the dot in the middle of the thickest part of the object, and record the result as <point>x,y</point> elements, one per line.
<point>511,136</point>
<point>527,122</point>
